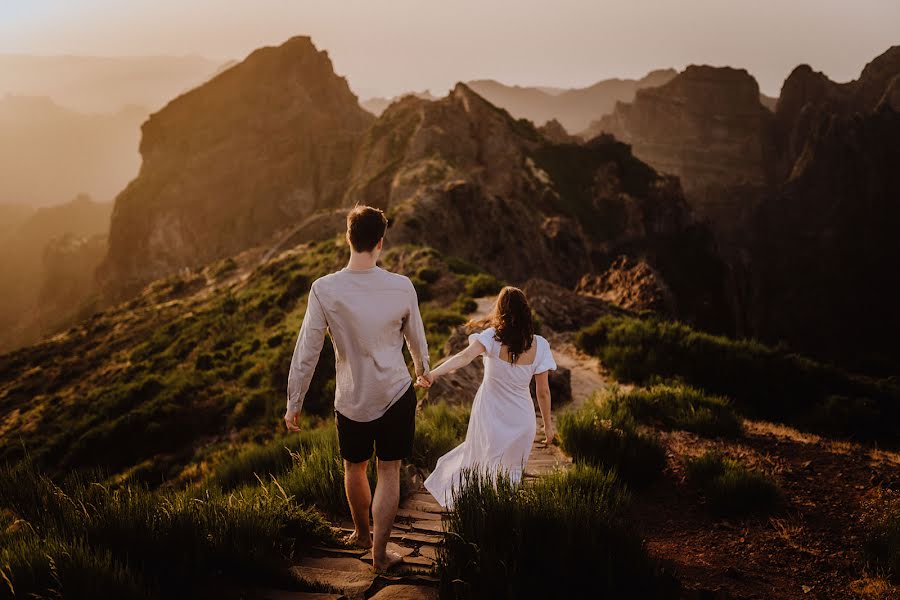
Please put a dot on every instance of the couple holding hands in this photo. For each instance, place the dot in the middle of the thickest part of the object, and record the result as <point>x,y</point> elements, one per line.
<point>369,312</point>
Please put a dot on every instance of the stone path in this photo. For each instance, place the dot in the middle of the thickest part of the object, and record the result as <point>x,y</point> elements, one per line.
<point>418,531</point>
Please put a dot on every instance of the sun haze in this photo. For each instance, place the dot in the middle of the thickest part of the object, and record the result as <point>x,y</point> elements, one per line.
<point>388,47</point>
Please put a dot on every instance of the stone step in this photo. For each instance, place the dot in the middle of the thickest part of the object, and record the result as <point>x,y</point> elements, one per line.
<point>286,595</point>
<point>405,536</point>
<point>391,547</point>
<point>418,515</point>
<point>350,576</point>
<point>406,592</point>
<point>432,526</point>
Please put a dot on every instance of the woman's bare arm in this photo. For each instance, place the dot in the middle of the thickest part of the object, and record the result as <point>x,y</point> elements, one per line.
<point>457,361</point>
<point>542,390</point>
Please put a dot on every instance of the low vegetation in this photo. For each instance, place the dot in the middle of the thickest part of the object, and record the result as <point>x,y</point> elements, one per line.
<point>764,382</point>
<point>883,539</point>
<point>672,406</point>
<point>556,538</point>
<point>84,539</point>
<point>587,436</point>
<point>732,489</point>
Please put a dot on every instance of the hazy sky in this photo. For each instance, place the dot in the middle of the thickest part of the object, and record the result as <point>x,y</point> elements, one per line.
<point>385,47</point>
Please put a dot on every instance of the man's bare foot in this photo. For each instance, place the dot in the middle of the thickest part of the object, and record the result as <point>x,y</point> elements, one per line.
<point>355,540</point>
<point>390,560</point>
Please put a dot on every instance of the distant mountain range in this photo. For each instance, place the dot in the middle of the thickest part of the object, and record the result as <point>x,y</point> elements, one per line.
<point>104,84</point>
<point>49,153</point>
<point>47,261</point>
<point>575,108</point>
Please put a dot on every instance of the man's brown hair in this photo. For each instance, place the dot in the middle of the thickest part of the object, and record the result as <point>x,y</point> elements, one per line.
<point>365,226</point>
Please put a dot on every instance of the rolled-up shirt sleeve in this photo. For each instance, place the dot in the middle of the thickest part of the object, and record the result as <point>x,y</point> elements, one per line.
<point>414,332</point>
<point>306,351</point>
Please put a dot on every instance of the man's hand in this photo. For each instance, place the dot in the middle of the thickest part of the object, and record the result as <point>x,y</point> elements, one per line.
<point>424,381</point>
<point>292,419</point>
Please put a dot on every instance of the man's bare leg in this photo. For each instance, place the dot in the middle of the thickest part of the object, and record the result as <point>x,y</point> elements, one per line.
<point>359,495</point>
<point>384,509</point>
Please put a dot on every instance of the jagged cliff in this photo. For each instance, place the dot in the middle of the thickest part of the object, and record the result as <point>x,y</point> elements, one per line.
<point>259,146</point>
<point>708,127</point>
<point>803,201</point>
<point>463,176</point>
<point>824,244</point>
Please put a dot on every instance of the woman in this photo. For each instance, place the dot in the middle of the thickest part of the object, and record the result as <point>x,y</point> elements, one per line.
<point>502,425</point>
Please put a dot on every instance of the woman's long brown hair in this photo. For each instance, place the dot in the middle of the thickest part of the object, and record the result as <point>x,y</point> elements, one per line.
<point>511,319</point>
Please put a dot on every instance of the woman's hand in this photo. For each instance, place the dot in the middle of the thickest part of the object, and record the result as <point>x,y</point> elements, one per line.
<point>424,380</point>
<point>549,433</point>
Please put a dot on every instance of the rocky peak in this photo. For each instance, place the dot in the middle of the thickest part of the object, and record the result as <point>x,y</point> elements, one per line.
<point>556,133</point>
<point>711,90</point>
<point>708,127</point>
<point>226,165</point>
<point>876,78</point>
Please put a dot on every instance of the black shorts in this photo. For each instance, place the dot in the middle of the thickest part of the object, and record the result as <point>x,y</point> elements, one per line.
<point>391,434</point>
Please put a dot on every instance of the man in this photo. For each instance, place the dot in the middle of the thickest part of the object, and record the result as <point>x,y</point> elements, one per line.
<point>368,311</point>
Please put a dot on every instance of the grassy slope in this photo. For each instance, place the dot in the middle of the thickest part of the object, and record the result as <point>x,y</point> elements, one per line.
<point>161,388</point>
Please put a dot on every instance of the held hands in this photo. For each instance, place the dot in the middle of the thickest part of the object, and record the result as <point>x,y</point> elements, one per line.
<point>424,380</point>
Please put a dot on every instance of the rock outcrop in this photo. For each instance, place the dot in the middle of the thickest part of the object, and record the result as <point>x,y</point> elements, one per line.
<point>708,127</point>
<point>463,176</point>
<point>631,284</point>
<point>260,146</point>
<point>561,309</point>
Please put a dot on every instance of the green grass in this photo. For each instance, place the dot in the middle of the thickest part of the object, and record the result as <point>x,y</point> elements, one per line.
<point>672,406</point>
<point>763,382</point>
<point>439,429</point>
<point>730,488</point>
<point>254,461</point>
<point>556,538</point>
<point>81,536</point>
<point>587,436</point>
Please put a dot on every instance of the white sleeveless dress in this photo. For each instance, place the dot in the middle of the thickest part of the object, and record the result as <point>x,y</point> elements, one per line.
<point>502,424</point>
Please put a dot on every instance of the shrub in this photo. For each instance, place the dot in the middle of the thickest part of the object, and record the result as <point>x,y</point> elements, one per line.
<point>428,274</point>
<point>672,407</point>
<point>764,382</point>
<point>439,429</point>
<point>883,539</point>
<point>730,488</point>
<point>556,538</point>
<point>441,320</point>
<point>637,457</point>
<point>460,266</point>
<point>483,284</point>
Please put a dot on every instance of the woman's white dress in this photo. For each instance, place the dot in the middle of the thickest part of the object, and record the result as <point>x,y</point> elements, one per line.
<point>502,424</point>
